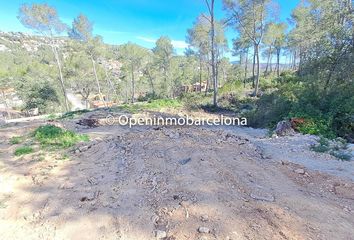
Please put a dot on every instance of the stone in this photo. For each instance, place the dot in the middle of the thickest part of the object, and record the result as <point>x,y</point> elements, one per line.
<point>2,122</point>
<point>300,171</point>
<point>284,128</point>
<point>204,218</point>
<point>159,234</point>
<point>185,161</point>
<point>83,148</point>
<point>262,195</point>
<point>203,230</point>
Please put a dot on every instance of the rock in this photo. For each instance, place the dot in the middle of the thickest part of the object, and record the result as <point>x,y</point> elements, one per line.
<point>89,122</point>
<point>185,161</point>
<point>67,186</point>
<point>284,128</point>
<point>159,234</point>
<point>203,230</point>
<point>204,218</point>
<point>2,122</point>
<point>83,148</point>
<point>262,195</point>
<point>350,149</point>
<point>300,171</point>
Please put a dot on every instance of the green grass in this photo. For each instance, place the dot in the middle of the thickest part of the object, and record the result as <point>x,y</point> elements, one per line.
<point>52,136</point>
<point>151,105</point>
<point>16,140</point>
<point>23,150</point>
<point>73,114</point>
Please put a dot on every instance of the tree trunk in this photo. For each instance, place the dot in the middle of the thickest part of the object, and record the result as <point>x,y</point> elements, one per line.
<point>254,66</point>
<point>61,78</point>
<point>200,74</point>
<point>208,81</point>
<point>151,83</point>
<point>268,60</point>
<point>6,105</point>
<point>213,62</point>
<point>97,82</point>
<point>133,84</point>
<point>111,84</point>
<point>246,69</point>
<point>278,62</point>
<point>258,70</point>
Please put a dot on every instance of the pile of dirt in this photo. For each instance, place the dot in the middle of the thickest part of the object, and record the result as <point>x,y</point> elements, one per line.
<point>170,183</point>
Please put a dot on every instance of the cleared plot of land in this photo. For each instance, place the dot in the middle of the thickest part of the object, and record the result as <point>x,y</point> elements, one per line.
<point>172,183</point>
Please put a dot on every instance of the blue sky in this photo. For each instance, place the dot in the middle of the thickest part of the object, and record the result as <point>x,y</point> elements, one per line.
<point>139,21</point>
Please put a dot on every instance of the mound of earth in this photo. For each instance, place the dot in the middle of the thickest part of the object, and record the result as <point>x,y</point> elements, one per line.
<point>172,183</point>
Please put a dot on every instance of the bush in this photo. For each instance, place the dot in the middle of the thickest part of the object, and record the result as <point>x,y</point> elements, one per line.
<point>16,140</point>
<point>194,101</point>
<point>73,114</point>
<point>50,135</point>
<point>23,150</point>
<point>327,112</point>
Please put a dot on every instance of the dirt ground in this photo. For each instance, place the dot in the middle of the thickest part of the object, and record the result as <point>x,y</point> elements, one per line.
<point>175,183</point>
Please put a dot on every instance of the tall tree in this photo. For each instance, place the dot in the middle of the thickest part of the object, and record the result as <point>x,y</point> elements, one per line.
<point>82,31</point>
<point>241,47</point>
<point>163,52</point>
<point>134,58</point>
<point>44,20</point>
<point>249,17</point>
<point>274,38</point>
<point>211,9</point>
<point>198,39</point>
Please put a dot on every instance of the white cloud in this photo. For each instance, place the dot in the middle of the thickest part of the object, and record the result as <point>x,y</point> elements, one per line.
<point>179,44</point>
<point>176,43</point>
<point>145,39</point>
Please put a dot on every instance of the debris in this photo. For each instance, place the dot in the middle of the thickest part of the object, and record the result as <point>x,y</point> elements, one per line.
<point>204,218</point>
<point>284,128</point>
<point>83,148</point>
<point>262,196</point>
<point>67,186</point>
<point>300,171</point>
<point>185,161</point>
<point>159,234</point>
<point>203,230</point>
<point>89,122</point>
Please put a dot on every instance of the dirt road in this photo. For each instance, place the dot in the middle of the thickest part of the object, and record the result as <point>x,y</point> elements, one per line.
<point>169,183</point>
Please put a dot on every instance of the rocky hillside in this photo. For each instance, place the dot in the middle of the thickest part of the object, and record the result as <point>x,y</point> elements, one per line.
<point>10,41</point>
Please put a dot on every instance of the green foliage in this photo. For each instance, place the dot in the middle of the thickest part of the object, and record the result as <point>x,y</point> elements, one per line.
<point>74,114</point>
<point>52,136</point>
<point>16,140</point>
<point>41,96</point>
<point>233,86</point>
<point>335,148</point>
<point>150,105</point>
<point>326,112</point>
<point>194,101</point>
<point>23,150</point>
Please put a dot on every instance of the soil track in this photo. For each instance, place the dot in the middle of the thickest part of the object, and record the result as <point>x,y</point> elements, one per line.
<point>173,183</point>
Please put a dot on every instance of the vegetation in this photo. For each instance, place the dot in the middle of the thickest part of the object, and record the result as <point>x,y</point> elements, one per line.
<point>23,150</point>
<point>52,136</point>
<point>151,105</point>
<point>307,71</point>
<point>16,140</point>
<point>336,148</point>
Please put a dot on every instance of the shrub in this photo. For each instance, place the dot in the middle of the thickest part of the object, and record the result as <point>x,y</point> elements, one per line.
<point>50,135</point>
<point>23,150</point>
<point>72,114</point>
<point>15,140</point>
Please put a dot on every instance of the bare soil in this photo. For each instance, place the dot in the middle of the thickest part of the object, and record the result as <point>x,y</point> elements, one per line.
<point>174,183</point>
